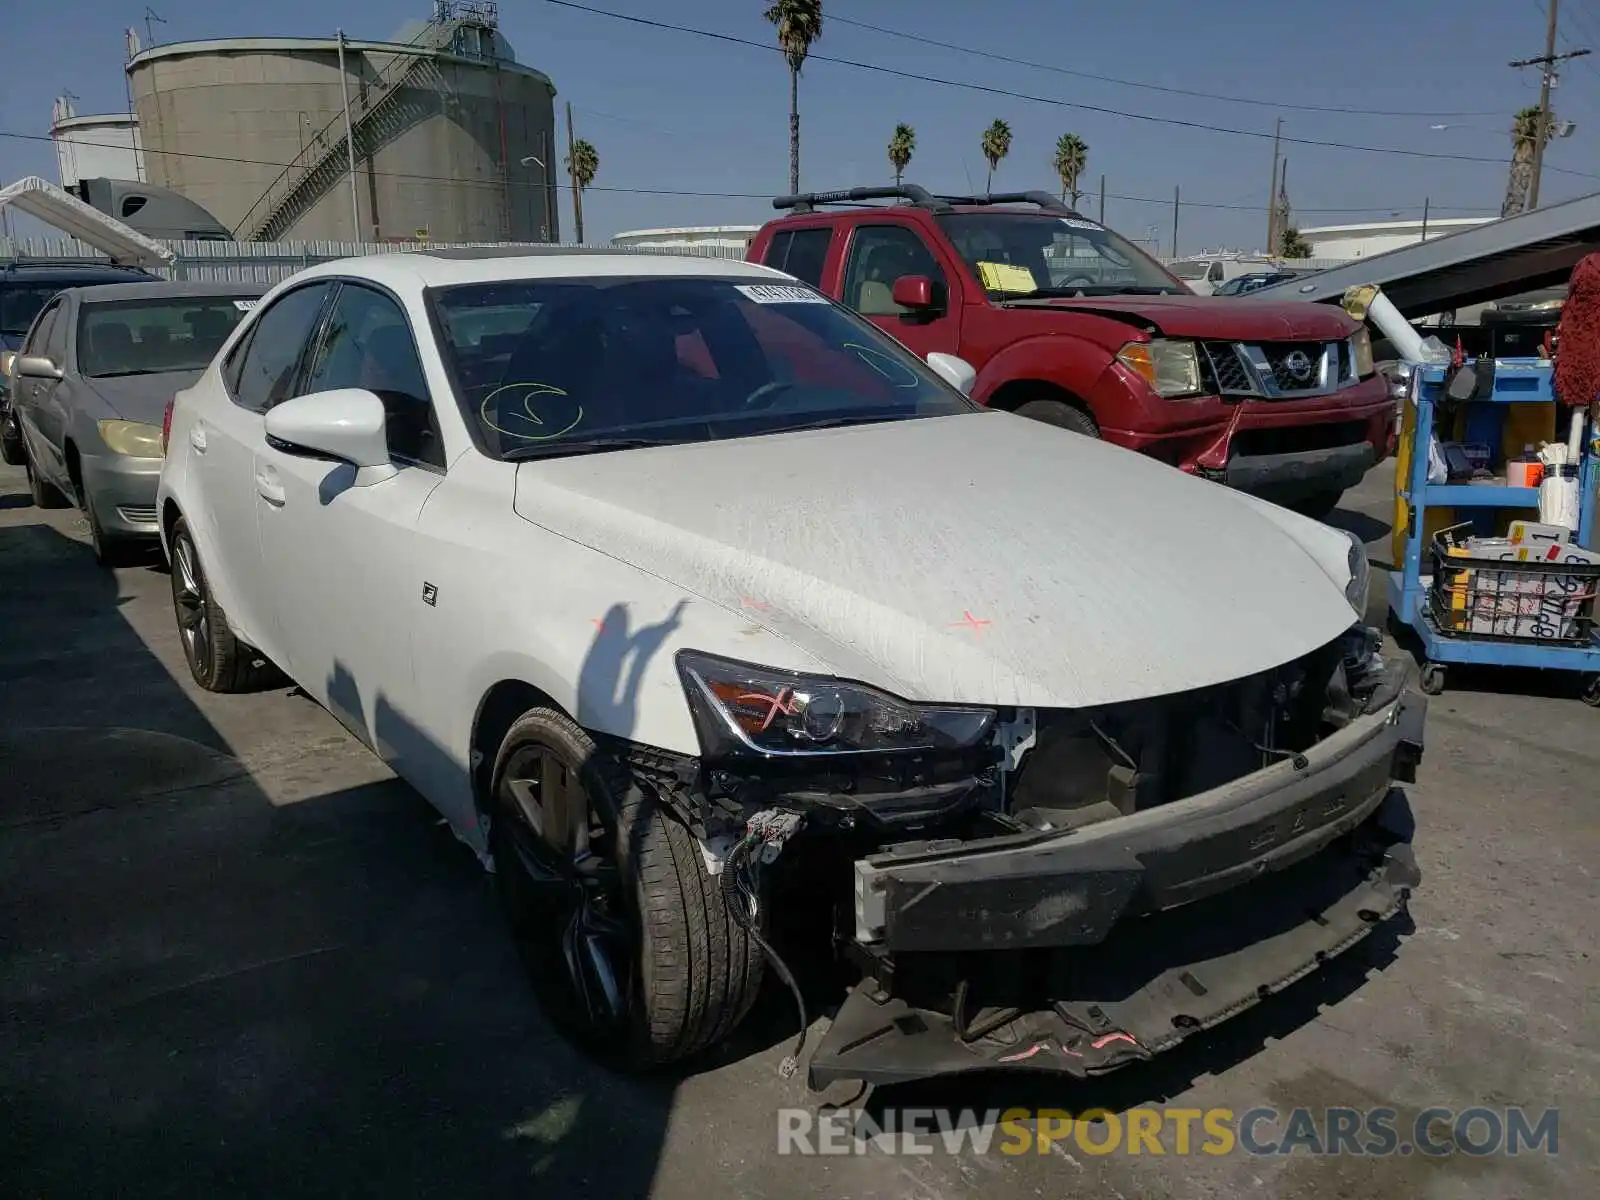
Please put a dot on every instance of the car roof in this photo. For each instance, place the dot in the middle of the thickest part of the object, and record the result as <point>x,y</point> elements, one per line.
<point>36,271</point>
<point>165,290</point>
<point>448,267</point>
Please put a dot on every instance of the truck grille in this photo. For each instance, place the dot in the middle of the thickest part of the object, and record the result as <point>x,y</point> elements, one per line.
<point>1280,370</point>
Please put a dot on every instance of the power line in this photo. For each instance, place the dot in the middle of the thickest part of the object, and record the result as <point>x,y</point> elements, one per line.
<point>1393,209</point>
<point>1150,87</point>
<point>1008,93</point>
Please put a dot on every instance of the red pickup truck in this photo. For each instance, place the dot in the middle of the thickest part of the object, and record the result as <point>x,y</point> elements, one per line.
<point>1068,322</point>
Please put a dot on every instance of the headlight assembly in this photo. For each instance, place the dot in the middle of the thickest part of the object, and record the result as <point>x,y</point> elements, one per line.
<point>743,709</point>
<point>131,438</point>
<point>1361,352</point>
<point>1171,368</point>
<point>1360,575</point>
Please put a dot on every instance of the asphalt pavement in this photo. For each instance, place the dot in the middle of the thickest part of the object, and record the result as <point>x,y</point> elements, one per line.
<point>237,957</point>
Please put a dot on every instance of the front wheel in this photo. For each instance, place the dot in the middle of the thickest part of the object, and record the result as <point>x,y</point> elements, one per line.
<point>43,493</point>
<point>110,550</point>
<point>631,948</point>
<point>1060,414</point>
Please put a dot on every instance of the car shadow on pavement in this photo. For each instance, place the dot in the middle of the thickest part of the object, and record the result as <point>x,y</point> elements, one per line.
<point>1368,529</point>
<point>205,994</point>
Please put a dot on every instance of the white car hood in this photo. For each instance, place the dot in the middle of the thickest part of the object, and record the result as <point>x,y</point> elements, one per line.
<point>982,558</point>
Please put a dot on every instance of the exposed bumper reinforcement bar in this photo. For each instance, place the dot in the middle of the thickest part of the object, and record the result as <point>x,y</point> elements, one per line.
<point>1175,973</point>
<point>1054,890</point>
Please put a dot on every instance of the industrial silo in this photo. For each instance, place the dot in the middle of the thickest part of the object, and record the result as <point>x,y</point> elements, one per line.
<point>454,140</point>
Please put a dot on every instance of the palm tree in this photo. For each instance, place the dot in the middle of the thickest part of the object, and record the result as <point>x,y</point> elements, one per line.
<point>996,145</point>
<point>1292,245</point>
<point>583,164</point>
<point>799,23</point>
<point>901,147</point>
<point>1524,140</point>
<point>1072,154</point>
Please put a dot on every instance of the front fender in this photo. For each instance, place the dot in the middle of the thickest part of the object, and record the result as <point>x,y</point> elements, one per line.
<point>1073,364</point>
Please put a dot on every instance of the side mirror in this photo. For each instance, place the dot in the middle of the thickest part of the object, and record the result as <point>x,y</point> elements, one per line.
<point>915,292</point>
<point>347,424</point>
<point>1462,384</point>
<point>36,366</point>
<point>957,372</point>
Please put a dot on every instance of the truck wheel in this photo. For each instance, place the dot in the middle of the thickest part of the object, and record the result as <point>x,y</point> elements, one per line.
<point>1060,414</point>
<point>1319,505</point>
<point>632,950</point>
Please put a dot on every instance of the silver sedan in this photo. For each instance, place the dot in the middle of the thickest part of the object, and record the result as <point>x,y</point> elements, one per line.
<point>90,387</point>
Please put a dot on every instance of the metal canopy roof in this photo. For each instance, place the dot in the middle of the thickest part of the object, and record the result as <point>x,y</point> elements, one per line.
<point>1501,258</point>
<point>66,212</point>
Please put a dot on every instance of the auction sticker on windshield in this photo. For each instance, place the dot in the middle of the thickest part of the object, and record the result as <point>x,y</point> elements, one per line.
<point>777,293</point>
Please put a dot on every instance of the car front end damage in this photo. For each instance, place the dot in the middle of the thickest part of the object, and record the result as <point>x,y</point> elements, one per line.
<point>1058,890</point>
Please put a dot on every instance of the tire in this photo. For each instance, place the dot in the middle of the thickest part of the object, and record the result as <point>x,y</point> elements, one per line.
<point>11,452</point>
<point>640,904</point>
<point>1431,679</point>
<point>1060,414</point>
<point>44,494</point>
<point>218,661</point>
<point>1319,505</point>
<point>109,549</point>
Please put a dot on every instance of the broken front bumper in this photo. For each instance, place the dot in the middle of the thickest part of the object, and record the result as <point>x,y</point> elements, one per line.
<point>1083,950</point>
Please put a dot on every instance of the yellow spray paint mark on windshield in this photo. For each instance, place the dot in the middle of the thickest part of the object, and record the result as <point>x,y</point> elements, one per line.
<point>534,429</point>
<point>1006,277</point>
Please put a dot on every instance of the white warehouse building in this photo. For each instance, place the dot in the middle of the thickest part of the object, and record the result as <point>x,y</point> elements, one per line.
<point>712,241</point>
<point>1344,242</point>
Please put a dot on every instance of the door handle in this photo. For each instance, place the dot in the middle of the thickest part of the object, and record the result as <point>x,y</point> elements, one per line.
<point>197,437</point>
<point>268,487</point>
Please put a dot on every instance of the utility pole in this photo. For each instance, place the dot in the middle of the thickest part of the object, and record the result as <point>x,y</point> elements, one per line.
<point>1174,220</point>
<point>350,146</point>
<point>577,192</point>
<point>1102,199</point>
<point>1272,192</point>
<point>1546,62</point>
<point>1425,201</point>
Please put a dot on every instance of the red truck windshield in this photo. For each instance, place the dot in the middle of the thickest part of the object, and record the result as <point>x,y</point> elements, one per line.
<point>1025,254</point>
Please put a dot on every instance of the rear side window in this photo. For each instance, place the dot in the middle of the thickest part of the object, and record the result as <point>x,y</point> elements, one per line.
<point>800,252</point>
<point>263,370</point>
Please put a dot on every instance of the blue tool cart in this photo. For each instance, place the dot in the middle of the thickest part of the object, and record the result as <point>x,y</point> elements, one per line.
<point>1440,591</point>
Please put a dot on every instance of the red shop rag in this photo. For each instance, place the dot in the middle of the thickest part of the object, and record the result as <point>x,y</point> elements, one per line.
<point>1577,381</point>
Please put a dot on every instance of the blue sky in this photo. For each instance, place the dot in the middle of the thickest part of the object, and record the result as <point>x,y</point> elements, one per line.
<point>675,112</point>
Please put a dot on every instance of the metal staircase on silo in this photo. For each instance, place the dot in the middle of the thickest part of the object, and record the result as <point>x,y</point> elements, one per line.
<point>407,93</point>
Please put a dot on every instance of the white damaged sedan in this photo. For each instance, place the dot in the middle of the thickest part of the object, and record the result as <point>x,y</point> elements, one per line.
<point>716,622</point>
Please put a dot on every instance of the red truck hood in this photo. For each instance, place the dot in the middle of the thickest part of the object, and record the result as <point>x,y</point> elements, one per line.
<point>1216,317</point>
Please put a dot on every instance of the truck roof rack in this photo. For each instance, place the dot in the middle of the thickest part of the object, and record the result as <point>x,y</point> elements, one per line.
<point>919,197</point>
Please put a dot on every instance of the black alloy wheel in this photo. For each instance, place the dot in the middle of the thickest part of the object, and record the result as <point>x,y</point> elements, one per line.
<point>556,865</point>
<point>189,605</point>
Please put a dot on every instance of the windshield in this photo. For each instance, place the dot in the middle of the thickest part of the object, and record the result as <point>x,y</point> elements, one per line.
<point>553,366</point>
<point>1022,254</point>
<point>1189,270</point>
<point>147,337</point>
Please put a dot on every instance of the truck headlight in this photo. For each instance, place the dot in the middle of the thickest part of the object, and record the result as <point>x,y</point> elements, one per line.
<point>1171,368</point>
<point>1361,352</point>
<point>1360,575</point>
<point>743,709</point>
<point>131,438</point>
